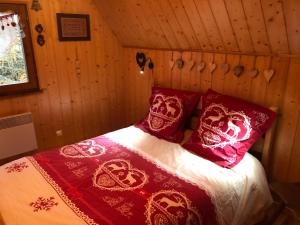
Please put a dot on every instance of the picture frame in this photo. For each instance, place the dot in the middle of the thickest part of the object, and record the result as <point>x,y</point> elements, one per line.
<point>73,27</point>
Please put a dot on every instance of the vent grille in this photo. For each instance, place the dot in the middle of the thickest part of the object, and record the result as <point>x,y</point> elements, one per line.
<point>17,120</point>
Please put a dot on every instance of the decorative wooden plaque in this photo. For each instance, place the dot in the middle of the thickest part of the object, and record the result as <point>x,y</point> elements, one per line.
<point>73,27</point>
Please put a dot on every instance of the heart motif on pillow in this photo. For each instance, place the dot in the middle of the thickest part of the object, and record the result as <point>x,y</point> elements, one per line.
<point>220,127</point>
<point>119,175</point>
<point>268,74</point>
<point>201,67</point>
<point>164,111</point>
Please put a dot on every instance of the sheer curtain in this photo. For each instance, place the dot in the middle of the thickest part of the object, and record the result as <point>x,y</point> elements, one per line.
<point>10,32</point>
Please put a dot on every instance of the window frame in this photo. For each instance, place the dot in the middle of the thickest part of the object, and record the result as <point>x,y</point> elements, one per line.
<point>33,84</point>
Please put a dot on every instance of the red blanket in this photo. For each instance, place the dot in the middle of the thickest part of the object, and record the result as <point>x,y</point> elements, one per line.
<point>105,183</point>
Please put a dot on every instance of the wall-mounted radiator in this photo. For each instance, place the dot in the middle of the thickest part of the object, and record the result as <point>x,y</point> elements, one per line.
<point>17,135</point>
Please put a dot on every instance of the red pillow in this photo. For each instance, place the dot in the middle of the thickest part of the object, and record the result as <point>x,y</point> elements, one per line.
<point>169,110</point>
<point>227,128</point>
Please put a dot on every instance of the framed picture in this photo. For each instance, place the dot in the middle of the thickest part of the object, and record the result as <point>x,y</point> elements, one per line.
<point>73,27</point>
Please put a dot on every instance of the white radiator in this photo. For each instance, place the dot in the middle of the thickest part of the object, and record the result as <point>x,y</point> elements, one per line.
<point>17,135</point>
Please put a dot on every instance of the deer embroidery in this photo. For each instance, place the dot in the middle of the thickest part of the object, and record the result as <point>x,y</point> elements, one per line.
<point>156,106</point>
<point>170,203</point>
<point>113,167</point>
<point>215,118</point>
<point>231,126</point>
<point>170,109</point>
<point>131,180</point>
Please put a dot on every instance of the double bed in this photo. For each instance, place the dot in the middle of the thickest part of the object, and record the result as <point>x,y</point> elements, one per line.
<point>130,177</point>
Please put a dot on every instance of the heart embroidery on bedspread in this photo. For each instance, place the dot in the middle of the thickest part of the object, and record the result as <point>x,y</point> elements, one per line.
<point>220,127</point>
<point>164,112</point>
<point>84,149</point>
<point>171,207</point>
<point>119,175</point>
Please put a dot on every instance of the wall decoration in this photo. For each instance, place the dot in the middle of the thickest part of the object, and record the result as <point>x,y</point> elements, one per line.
<point>225,66</point>
<point>254,71</point>
<point>212,66</point>
<point>40,38</point>
<point>239,69</point>
<point>201,66</point>
<point>269,73</point>
<point>36,5</point>
<point>142,60</point>
<point>77,63</point>
<point>191,63</point>
<point>180,62</point>
<point>172,62</point>
<point>8,20</point>
<point>73,27</point>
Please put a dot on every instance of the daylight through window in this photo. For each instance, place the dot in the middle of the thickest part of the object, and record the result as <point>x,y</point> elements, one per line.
<point>17,64</point>
<point>12,58</point>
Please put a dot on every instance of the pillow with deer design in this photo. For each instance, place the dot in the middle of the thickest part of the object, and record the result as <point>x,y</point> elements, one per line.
<point>168,113</point>
<point>227,128</point>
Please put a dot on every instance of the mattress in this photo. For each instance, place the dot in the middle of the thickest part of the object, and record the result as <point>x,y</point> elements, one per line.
<point>162,183</point>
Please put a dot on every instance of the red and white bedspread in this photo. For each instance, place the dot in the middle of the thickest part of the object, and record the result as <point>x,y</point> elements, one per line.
<point>129,177</point>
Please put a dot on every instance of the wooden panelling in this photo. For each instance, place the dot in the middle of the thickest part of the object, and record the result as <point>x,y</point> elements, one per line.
<point>283,91</point>
<point>81,82</point>
<point>260,26</point>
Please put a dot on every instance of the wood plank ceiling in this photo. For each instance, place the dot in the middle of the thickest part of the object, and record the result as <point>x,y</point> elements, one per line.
<point>242,26</point>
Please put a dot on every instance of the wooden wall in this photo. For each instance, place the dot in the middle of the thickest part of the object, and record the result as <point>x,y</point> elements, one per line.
<point>261,26</point>
<point>82,97</point>
<point>283,91</point>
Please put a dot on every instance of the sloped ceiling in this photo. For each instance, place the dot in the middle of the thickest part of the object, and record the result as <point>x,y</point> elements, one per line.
<point>246,26</point>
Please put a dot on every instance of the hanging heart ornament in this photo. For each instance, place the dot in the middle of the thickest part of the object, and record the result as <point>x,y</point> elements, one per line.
<point>268,74</point>
<point>180,63</point>
<point>238,70</point>
<point>225,67</point>
<point>201,66</point>
<point>191,64</point>
<point>212,67</point>
<point>171,64</point>
<point>254,72</point>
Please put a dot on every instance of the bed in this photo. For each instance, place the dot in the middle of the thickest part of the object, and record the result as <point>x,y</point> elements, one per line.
<point>131,177</point>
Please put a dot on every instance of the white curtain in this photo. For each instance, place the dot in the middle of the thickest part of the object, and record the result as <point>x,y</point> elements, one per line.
<point>8,34</point>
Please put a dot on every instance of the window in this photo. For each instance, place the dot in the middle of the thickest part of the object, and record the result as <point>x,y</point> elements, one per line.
<point>17,65</point>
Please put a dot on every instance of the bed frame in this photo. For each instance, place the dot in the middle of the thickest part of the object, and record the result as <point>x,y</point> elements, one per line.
<point>262,149</point>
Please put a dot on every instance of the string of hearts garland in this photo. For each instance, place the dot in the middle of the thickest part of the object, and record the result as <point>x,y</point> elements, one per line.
<point>7,20</point>
<point>225,67</point>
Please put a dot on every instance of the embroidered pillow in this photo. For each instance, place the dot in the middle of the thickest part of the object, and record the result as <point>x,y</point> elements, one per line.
<point>227,128</point>
<point>169,110</point>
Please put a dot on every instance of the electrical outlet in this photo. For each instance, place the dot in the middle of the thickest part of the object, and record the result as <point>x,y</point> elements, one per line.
<point>59,133</point>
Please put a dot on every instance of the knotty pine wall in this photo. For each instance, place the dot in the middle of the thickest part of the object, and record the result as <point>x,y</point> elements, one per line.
<point>83,105</point>
<point>283,91</point>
